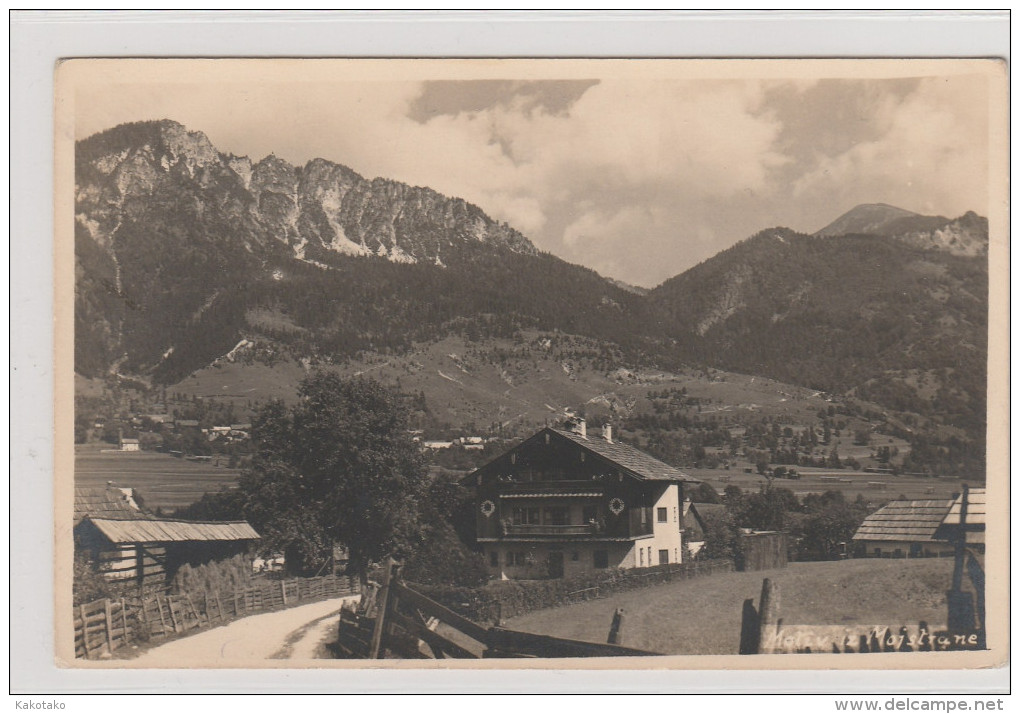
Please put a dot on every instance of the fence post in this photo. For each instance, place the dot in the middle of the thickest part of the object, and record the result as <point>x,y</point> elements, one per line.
<point>283,591</point>
<point>124,620</point>
<point>616,629</point>
<point>162,620</point>
<point>84,631</point>
<point>173,615</point>
<point>768,612</point>
<point>375,650</point>
<point>109,624</point>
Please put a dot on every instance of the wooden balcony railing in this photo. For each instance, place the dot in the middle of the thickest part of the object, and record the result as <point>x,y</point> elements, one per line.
<point>530,530</point>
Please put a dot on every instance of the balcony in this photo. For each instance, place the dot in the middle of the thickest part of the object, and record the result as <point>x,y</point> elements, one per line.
<point>533,530</point>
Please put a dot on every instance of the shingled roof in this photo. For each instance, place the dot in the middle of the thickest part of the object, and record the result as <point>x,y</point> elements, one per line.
<point>636,462</point>
<point>974,522</point>
<point>162,531</point>
<point>911,521</point>
<point>109,501</point>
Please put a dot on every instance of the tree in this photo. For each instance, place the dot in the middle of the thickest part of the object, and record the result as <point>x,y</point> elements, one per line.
<point>704,493</point>
<point>337,466</point>
<point>720,536</point>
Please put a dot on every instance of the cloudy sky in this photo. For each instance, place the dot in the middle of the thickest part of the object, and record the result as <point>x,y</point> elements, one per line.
<point>637,175</point>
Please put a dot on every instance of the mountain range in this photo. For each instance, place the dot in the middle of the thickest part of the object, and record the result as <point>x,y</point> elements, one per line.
<point>185,254</point>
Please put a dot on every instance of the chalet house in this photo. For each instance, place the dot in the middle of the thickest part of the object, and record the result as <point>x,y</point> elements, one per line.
<point>564,502</point>
<point>905,529</point>
<point>129,445</point>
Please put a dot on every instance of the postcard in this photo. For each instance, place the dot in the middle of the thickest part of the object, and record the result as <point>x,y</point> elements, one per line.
<point>618,364</point>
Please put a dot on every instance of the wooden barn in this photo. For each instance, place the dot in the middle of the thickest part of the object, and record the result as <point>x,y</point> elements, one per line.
<point>905,529</point>
<point>565,502</point>
<point>146,552</point>
<point>762,550</point>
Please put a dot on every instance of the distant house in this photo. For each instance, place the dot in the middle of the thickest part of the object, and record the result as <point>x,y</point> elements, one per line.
<point>564,502</point>
<point>905,529</point>
<point>696,520</point>
<point>437,444</point>
<point>187,423</point>
<point>109,501</point>
<point>129,445</point>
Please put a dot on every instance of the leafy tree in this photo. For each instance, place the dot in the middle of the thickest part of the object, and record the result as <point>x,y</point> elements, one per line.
<point>704,493</point>
<point>720,535</point>
<point>830,521</point>
<point>337,466</point>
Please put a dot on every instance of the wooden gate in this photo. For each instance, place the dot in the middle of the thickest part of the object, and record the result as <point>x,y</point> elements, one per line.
<point>397,621</point>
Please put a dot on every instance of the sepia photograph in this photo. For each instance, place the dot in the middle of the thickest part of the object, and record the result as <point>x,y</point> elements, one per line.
<point>531,363</point>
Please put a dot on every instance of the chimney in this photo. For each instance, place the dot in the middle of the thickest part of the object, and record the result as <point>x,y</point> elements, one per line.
<point>578,426</point>
<point>607,432</point>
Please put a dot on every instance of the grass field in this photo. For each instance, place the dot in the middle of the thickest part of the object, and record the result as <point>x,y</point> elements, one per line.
<point>162,480</point>
<point>874,487</point>
<point>702,615</point>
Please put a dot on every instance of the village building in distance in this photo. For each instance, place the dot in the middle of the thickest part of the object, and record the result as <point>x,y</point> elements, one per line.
<point>928,528</point>
<point>566,502</point>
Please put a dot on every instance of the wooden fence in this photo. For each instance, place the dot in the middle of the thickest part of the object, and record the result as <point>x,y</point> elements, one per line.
<point>104,626</point>
<point>397,621</point>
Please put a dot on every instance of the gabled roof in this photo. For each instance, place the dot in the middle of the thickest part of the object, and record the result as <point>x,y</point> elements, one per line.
<point>109,501</point>
<point>696,513</point>
<point>904,521</point>
<point>636,462</point>
<point>160,531</point>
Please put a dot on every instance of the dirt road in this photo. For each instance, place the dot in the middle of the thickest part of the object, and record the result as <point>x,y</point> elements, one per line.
<point>292,634</point>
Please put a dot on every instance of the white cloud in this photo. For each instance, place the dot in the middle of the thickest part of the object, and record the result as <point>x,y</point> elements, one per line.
<point>638,178</point>
<point>932,156</point>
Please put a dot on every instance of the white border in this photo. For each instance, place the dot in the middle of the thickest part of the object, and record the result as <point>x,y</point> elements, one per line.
<point>38,39</point>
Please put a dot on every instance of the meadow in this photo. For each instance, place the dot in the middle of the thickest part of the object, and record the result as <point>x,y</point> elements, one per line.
<point>164,481</point>
<point>702,616</point>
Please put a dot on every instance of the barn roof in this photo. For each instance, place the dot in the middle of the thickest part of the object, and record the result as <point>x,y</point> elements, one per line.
<point>904,521</point>
<point>637,462</point>
<point>977,505</point>
<point>160,531</point>
<point>109,501</point>
<point>973,523</point>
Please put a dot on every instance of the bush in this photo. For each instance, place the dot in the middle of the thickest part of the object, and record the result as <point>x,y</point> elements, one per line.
<point>217,576</point>
<point>89,584</point>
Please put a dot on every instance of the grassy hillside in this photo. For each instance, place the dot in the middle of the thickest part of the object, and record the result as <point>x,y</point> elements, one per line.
<point>702,616</point>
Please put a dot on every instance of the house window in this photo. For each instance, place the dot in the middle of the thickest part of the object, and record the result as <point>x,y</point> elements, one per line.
<point>641,556</point>
<point>525,516</point>
<point>662,515</point>
<point>557,516</point>
<point>644,516</point>
<point>676,555</point>
<point>575,556</point>
<point>494,559</point>
<point>589,514</point>
<point>663,557</point>
<point>515,557</point>
<point>601,558</point>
